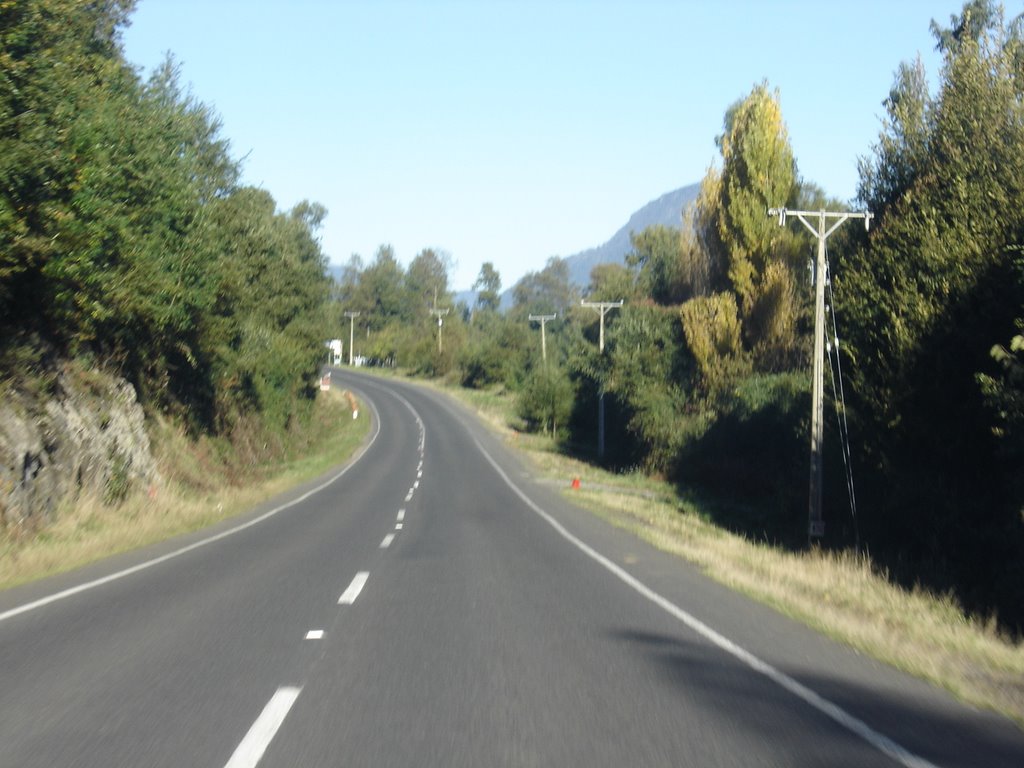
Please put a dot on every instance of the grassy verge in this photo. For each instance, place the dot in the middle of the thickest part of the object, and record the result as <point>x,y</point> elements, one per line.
<point>839,594</point>
<point>203,482</point>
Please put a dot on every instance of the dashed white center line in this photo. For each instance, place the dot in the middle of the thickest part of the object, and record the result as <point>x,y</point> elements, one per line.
<point>349,595</point>
<point>262,732</point>
<point>315,634</point>
<point>416,484</point>
<point>398,526</point>
<point>419,473</point>
<point>387,541</point>
<point>408,496</point>
<point>401,515</point>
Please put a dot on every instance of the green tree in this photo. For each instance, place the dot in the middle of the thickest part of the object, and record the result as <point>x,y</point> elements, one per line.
<point>131,282</point>
<point>488,287</point>
<point>381,294</point>
<point>744,249</point>
<point>652,378</point>
<point>924,299</point>
<point>546,400</point>
<point>902,149</point>
<point>545,291</point>
<point>611,282</point>
<point>56,58</point>
<point>497,351</point>
<point>426,280</point>
<point>711,325</point>
<point>658,259</point>
<point>264,332</point>
<point>758,172</point>
<point>124,237</point>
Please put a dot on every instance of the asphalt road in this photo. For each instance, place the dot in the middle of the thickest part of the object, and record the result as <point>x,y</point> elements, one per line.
<point>431,605</point>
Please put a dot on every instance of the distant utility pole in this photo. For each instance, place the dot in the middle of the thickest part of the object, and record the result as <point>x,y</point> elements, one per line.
<point>543,319</point>
<point>816,526</point>
<point>439,313</point>
<point>602,308</point>
<point>351,329</point>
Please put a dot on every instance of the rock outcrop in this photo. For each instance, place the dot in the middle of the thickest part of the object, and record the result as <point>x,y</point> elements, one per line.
<point>84,432</point>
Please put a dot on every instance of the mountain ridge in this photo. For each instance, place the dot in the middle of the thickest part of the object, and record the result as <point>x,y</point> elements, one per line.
<point>666,210</point>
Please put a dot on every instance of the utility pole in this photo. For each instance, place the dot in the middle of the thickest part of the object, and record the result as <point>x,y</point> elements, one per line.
<point>602,308</point>
<point>816,525</point>
<point>351,329</point>
<point>439,313</point>
<point>543,319</point>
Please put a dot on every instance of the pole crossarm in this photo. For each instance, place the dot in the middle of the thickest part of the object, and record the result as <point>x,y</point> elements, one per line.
<point>822,216</point>
<point>816,525</point>
<point>543,319</point>
<point>602,308</point>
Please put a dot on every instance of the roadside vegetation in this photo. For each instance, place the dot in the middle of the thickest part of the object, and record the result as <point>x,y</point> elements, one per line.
<point>840,593</point>
<point>128,242</point>
<point>203,481</point>
<point>129,247</point>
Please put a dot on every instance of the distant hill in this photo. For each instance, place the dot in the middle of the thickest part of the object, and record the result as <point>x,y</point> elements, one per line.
<point>666,210</point>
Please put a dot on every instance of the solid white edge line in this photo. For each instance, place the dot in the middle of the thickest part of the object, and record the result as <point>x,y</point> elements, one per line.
<point>196,545</point>
<point>352,592</point>
<point>834,712</point>
<point>262,732</point>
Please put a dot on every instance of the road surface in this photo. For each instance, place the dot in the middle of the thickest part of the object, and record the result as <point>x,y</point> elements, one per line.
<point>431,605</point>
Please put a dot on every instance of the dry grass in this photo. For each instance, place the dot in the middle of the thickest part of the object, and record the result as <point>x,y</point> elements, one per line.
<point>200,488</point>
<point>839,594</point>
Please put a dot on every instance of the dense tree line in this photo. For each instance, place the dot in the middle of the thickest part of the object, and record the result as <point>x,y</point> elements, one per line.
<point>932,300</point>
<point>125,236</point>
<point>706,370</point>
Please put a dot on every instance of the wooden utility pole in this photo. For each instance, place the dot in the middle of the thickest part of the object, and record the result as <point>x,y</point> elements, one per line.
<point>439,313</point>
<point>816,524</point>
<point>351,332</point>
<point>543,319</point>
<point>602,308</point>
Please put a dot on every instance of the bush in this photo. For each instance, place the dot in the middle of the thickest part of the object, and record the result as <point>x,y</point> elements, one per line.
<point>754,457</point>
<point>546,400</point>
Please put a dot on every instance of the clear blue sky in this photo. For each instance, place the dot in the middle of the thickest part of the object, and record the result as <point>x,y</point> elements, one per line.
<point>514,131</point>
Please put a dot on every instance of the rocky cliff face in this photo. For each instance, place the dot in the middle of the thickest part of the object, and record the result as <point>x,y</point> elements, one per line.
<point>85,433</point>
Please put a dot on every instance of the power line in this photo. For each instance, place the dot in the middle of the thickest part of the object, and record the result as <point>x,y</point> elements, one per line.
<point>840,402</point>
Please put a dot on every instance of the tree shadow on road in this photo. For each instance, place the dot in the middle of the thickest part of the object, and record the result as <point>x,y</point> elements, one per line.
<point>944,733</point>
